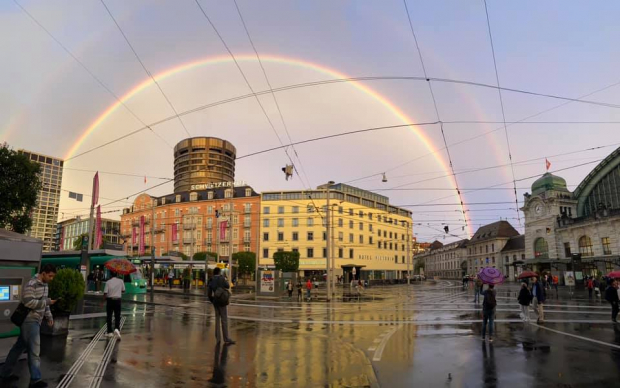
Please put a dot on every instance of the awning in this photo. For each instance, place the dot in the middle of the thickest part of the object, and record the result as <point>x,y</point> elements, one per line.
<point>352,266</point>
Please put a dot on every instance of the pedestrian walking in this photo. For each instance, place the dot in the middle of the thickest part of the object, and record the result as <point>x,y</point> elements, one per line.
<point>488,311</point>
<point>37,304</point>
<point>170,277</point>
<point>590,285</point>
<point>611,295</point>
<point>478,290</point>
<point>524,300</point>
<point>308,290</point>
<point>538,299</point>
<point>219,295</point>
<point>556,282</point>
<point>289,288</point>
<point>113,292</point>
<point>90,279</point>
<point>98,279</point>
<point>597,289</point>
<point>299,292</point>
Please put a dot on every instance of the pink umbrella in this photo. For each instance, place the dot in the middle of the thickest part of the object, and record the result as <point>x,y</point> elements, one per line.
<point>490,276</point>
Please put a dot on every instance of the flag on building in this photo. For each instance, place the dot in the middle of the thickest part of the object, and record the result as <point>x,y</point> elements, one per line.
<point>223,226</point>
<point>96,189</point>
<point>98,234</point>
<point>133,236</point>
<point>141,242</point>
<point>174,232</point>
<point>547,163</point>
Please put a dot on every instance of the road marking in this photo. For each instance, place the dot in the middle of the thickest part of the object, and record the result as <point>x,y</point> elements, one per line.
<point>372,348</point>
<point>77,365</point>
<point>105,360</point>
<point>381,347</point>
<point>576,336</point>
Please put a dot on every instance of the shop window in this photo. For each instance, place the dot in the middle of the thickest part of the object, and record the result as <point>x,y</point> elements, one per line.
<point>585,246</point>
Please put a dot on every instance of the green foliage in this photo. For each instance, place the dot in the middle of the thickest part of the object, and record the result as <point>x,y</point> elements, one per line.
<point>68,285</point>
<point>419,265</point>
<point>77,242</point>
<point>20,185</point>
<point>202,256</point>
<point>182,255</point>
<point>286,261</point>
<point>246,262</point>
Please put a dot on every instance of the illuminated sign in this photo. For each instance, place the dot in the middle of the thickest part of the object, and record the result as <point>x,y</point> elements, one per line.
<point>216,185</point>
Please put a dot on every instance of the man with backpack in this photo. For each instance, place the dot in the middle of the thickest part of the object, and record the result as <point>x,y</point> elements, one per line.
<point>488,311</point>
<point>611,295</point>
<point>219,295</point>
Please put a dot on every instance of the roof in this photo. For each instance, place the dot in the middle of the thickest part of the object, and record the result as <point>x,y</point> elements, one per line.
<point>548,182</point>
<point>516,243</point>
<point>12,236</point>
<point>499,229</point>
<point>594,177</point>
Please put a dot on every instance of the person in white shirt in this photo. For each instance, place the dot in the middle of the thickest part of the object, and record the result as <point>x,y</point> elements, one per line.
<point>113,292</point>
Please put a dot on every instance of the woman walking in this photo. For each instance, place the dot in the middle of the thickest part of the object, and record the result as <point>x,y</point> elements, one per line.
<point>524,300</point>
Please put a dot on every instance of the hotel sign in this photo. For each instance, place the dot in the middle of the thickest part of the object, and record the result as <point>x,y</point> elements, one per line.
<point>217,185</point>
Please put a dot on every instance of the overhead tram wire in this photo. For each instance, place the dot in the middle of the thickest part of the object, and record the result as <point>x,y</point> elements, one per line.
<point>501,103</point>
<point>92,75</point>
<point>354,79</point>
<point>148,73</point>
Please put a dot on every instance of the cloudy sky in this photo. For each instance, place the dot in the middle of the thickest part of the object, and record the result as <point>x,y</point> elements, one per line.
<point>53,104</point>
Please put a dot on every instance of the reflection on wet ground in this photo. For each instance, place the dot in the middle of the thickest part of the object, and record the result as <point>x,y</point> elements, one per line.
<point>426,334</point>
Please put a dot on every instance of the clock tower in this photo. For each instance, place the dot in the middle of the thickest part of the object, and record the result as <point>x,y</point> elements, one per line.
<point>544,209</point>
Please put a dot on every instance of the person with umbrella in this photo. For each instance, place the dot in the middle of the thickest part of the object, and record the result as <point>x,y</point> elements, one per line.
<point>490,276</point>
<point>524,301</point>
<point>538,299</point>
<point>113,293</point>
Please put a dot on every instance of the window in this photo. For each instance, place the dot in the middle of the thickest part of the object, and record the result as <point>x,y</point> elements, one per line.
<point>177,212</point>
<point>248,192</point>
<point>585,246</point>
<point>541,248</point>
<point>265,253</point>
<point>391,235</point>
<point>178,198</point>
<point>606,246</point>
<point>350,212</point>
<point>310,253</point>
<point>361,214</point>
<point>209,209</point>
<point>310,222</point>
<point>247,207</point>
<point>567,252</point>
<point>384,234</point>
<point>492,247</point>
<point>340,253</point>
<point>350,224</point>
<point>265,236</point>
<point>295,236</point>
<point>280,209</point>
<point>235,234</point>
<point>324,236</point>
<point>193,196</point>
<point>295,209</point>
<point>280,236</point>
<point>361,226</point>
<point>350,253</point>
<point>324,252</point>
<point>280,222</point>
<point>310,209</point>
<point>266,222</point>
<point>370,227</point>
<point>379,244</point>
<point>310,236</point>
<point>486,249</point>
<point>361,239</point>
<point>340,222</point>
<point>295,221</point>
<point>370,240</point>
<point>210,195</point>
<point>340,210</point>
<point>350,237</point>
<point>228,194</point>
<point>266,210</point>
<point>340,236</point>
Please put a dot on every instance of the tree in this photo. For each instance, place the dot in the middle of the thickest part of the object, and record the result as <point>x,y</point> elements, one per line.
<point>202,256</point>
<point>246,263</point>
<point>19,185</point>
<point>286,261</point>
<point>77,242</point>
<point>419,265</point>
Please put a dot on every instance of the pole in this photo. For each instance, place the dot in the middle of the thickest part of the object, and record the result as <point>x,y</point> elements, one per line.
<point>152,223</point>
<point>408,254</point>
<point>91,223</point>
<point>328,248</point>
<point>331,250</point>
<point>258,251</point>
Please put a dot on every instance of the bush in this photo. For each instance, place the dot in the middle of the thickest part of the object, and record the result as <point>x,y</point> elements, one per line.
<point>202,256</point>
<point>246,262</point>
<point>286,261</point>
<point>68,286</point>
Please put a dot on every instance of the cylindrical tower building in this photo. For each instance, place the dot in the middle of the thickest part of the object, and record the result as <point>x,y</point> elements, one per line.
<point>203,160</point>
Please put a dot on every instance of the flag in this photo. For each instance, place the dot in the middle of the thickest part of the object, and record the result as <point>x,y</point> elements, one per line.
<point>547,163</point>
<point>141,242</point>
<point>98,234</point>
<point>174,232</point>
<point>96,189</point>
<point>223,226</point>
<point>133,236</point>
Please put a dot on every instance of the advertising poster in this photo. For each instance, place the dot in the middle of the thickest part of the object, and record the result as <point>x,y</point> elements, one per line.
<point>266,282</point>
<point>569,279</point>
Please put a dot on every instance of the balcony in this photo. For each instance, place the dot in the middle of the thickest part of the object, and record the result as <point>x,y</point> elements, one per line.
<point>247,225</point>
<point>189,240</point>
<point>247,211</point>
<point>175,242</point>
<point>209,226</point>
<point>189,226</point>
<point>246,239</point>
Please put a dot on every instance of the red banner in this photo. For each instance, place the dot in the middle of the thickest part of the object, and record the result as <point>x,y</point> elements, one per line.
<point>174,232</point>
<point>134,236</point>
<point>98,234</point>
<point>141,247</point>
<point>96,189</point>
<point>223,226</point>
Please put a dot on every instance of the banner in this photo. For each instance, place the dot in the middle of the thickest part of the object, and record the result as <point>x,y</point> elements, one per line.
<point>96,189</point>
<point>266,281</point>
<point>98,234</point>
<point>141,246</point>
<point>175,232</point>
<point>133,236</point>
<point>223,226</point>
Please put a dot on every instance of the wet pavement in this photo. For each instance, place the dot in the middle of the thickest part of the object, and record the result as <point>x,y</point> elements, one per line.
<point>426,334</point>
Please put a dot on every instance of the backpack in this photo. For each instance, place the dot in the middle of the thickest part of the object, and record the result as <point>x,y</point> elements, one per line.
<point>489,302</point>
<point>221,297</point>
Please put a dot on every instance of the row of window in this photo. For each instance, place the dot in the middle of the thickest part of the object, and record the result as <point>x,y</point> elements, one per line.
<point>311,254</point>
<point>586,248</point>
<point>312,209</point>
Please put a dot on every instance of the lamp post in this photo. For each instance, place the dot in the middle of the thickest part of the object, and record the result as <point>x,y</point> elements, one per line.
<point>328,247</point>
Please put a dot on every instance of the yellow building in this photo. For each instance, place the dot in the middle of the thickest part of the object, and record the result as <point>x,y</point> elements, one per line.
<point>371,238</point>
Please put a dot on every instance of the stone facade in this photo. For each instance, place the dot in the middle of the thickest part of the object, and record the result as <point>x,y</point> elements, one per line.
<point>485,247</point>
<point>444,261</point>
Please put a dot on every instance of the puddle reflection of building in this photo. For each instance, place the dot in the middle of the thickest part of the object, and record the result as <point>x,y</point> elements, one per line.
<point>489,370</point>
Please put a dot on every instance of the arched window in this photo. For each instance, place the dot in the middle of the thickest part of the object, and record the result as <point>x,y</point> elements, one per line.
<point>585,246</point>
<point>541,249</point>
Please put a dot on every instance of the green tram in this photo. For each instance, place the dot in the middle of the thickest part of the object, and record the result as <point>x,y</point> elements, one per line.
<point>135,283</point>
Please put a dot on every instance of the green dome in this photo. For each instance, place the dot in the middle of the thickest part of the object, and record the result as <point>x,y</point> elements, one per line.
<point>548,182</point>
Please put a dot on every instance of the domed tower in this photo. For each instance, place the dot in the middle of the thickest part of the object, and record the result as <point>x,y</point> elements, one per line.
<point>549,202</point>
<point>199,161</point>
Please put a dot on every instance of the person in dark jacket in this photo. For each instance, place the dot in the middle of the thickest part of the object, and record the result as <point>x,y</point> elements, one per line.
<point>611,295</point>
<point>538,299</point>
<point>221,311</point>
<point>488,311</point>
<point>524,300</point>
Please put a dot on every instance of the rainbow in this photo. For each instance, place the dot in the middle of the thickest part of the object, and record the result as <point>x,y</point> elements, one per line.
<point>265,58</point>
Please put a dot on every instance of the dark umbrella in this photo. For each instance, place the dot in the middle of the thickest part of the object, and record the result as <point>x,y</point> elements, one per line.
<point>490,276</point>
<point>527,274</point>
<point>120,266</point>
<point>614,275</point>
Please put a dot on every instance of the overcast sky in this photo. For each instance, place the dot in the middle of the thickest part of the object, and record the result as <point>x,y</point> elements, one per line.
<point>563,48</point>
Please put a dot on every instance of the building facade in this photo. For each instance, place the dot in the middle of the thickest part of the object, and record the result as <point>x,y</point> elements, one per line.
<point>370,237</point>
<point>200,161</point>
<point>566,230</point>
<point>513,257</point>
<point>222,220</point>
<point>45,215</point>
<point>444,261</point>
<point>484,249</point>
<point>73,228</point>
